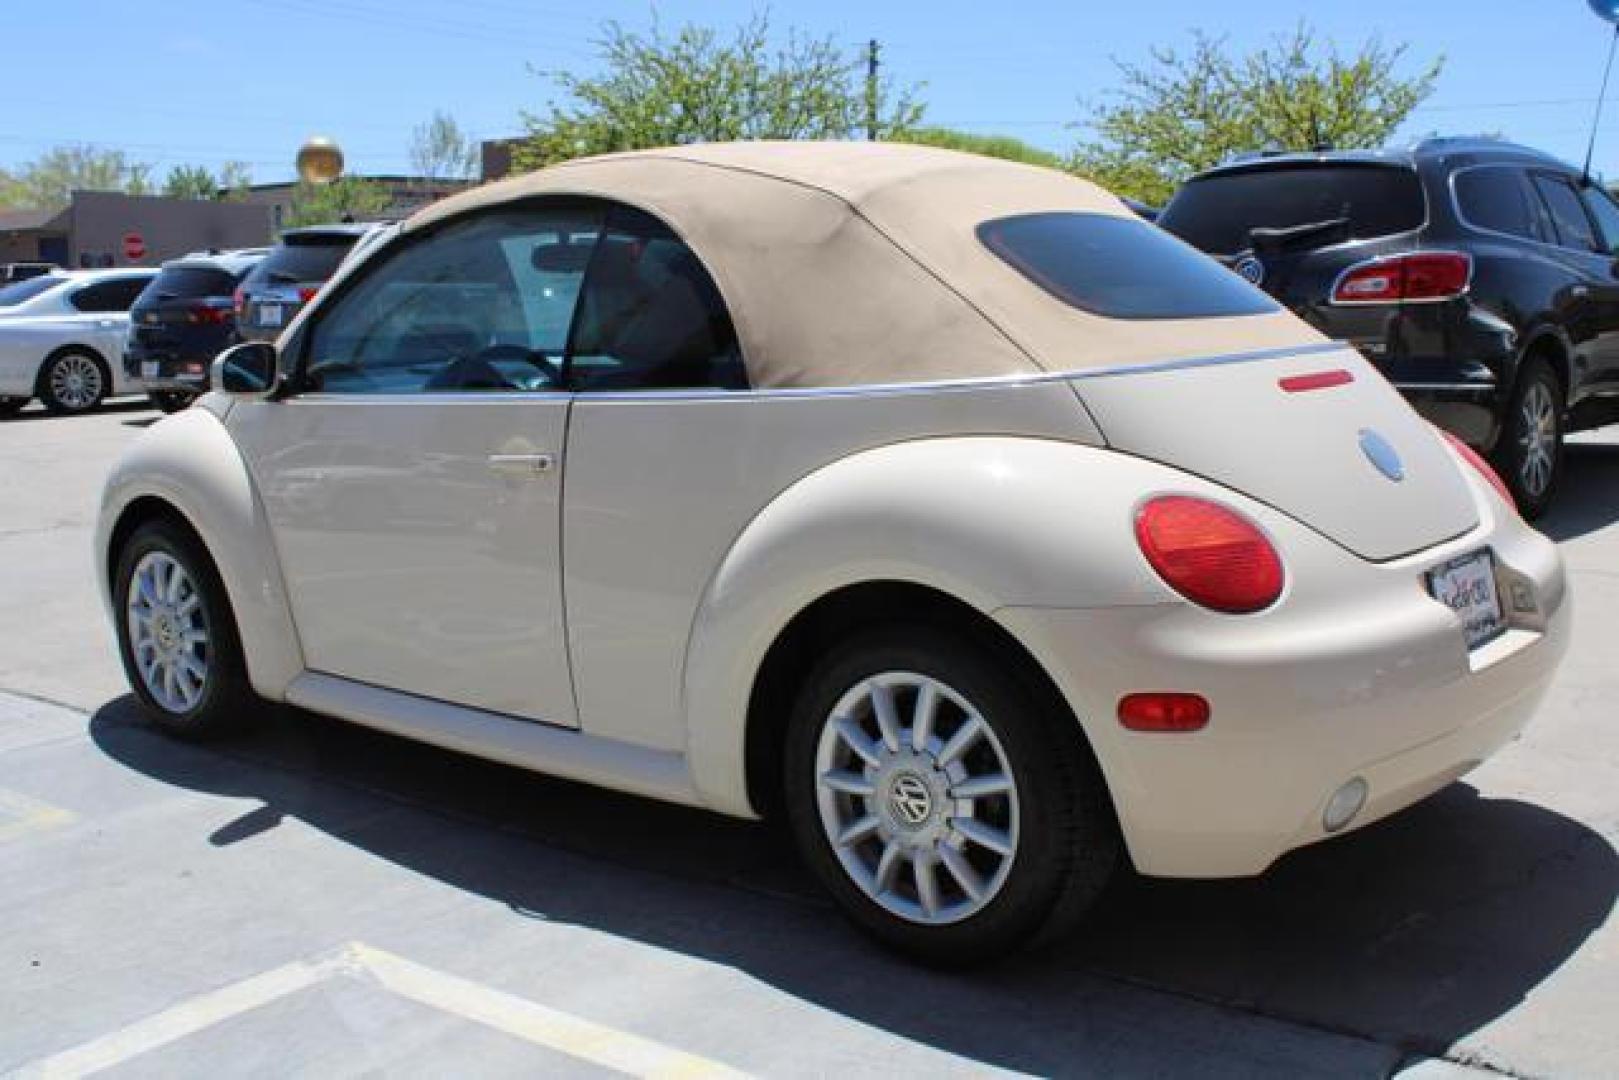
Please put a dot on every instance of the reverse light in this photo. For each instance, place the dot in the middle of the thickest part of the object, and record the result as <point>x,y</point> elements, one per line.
<point>1164,712</point>
<point>1209,553</point>
<point>1420,277</point>
<point>1482,467</point>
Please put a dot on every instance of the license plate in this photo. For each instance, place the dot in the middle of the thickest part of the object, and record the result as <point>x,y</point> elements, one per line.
<point>148,369</point>
<point>270,314</point>
<point>1467,586</point>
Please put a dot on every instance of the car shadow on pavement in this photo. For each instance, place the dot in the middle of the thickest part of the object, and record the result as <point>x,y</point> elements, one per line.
<point>1588,499</point>
<point>1414,932</point>
<point>38,412</point>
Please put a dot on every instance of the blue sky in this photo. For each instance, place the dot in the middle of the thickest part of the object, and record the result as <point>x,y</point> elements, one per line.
<point>190,81</point>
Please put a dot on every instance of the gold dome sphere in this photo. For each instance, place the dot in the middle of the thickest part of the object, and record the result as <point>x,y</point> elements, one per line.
<point>319,160</point>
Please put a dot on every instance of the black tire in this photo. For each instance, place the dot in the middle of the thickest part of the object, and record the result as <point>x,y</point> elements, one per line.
<point>1067,847</point>
<point>11,406</point>
<point>171,401</point>
<point>63,375</point>
<point>1529,454</point>
<point>225,701</point>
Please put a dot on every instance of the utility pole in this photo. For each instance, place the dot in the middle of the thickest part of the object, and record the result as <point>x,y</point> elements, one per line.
<point>872,49</point>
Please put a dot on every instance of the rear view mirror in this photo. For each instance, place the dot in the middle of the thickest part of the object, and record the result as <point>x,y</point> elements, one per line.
<point>248,370</point>
<point>561,258</point>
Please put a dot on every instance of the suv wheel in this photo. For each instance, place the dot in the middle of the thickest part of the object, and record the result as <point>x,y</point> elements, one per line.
<point>1530,450</point>
<point>73,382</point>
<point>940,803</point>
<point>176,634</point>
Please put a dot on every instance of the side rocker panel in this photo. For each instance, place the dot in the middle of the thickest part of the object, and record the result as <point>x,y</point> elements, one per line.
<point>993,521</point>
<point>189,462</point>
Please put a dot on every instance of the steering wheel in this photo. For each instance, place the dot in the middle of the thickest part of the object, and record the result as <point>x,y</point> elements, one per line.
<point>532,357</point>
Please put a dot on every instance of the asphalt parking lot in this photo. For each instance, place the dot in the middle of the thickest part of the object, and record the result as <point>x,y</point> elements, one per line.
<point>320,899</point>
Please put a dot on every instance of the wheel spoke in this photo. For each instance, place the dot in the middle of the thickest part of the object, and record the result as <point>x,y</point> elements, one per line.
<point>188,605</point>
<point>962,870</point>
<point>927,706</point>
<point>985,836</point>
<point>964,736</point>
<point>849,783</point>
<point>858,830</point>
<point>888,866</point>
<point>927,885</point>
<point>856,740</point>
<point>979,786</point>
<point>882,705</point>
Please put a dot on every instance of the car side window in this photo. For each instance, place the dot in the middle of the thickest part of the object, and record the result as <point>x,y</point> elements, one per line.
<point>651,317</point>
<point>1568,213</point>
<point>1497,198</point>
<point>105,297</point>
<point>483,304</point>
<point>1606,213</point>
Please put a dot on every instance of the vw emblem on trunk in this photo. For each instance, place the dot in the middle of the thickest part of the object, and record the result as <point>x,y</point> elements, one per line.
<point>1251,269</point>
<point>911,800</point>
<point>1381,453</point>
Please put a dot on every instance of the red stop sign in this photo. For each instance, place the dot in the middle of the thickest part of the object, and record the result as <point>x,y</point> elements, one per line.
<point>134,247</point>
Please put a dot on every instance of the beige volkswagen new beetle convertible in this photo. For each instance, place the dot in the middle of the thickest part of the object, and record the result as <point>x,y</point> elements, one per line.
<point>986,532</point>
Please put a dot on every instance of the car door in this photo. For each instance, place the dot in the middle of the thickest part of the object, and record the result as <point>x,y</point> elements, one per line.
<point>102,309</point>
<point>413,477</point>
<point>1605,212</point>
<point>1593,297</point>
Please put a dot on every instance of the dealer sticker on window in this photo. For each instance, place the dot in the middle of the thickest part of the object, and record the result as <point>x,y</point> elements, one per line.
<point>1467,586</point>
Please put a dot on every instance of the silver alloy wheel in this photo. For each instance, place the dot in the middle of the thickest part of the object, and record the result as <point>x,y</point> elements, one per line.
<point>168,632</point>
<point>1537,439</point>
<point>76,381</point>
<point>917,798</point>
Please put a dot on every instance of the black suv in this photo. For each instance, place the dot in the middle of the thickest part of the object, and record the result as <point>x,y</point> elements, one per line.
<point>182,320</point>
<point>1480,277</point>
<point>294,271</point>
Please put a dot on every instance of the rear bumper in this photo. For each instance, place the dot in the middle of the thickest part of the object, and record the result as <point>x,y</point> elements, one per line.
<point>1356,672</point>
<point>173,371</point>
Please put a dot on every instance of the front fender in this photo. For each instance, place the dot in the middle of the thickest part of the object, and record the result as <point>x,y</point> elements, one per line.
<point>190,462</point>
<point>993,521</point>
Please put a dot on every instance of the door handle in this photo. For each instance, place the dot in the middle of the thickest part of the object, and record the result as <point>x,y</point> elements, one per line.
<point>522,464</point>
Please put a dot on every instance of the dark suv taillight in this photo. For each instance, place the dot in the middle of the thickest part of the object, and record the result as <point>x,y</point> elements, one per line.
<point>1420,277</point>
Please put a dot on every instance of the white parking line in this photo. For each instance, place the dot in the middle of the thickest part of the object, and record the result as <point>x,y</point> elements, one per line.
<point>518,1017</point>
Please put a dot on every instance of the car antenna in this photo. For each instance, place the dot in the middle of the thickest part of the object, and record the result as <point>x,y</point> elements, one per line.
<point>1590,147</point>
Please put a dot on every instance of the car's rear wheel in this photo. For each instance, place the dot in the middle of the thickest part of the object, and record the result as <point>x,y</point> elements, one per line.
<point>171,401</point>
<point>948,808</point>
<point>73,382</point>
<point>1529,453</point>
<point>176,634</point>
<point>11,406</point>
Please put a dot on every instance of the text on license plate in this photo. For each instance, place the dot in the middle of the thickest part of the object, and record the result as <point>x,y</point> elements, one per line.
<point>1467,586</point>
<point>270,314</point>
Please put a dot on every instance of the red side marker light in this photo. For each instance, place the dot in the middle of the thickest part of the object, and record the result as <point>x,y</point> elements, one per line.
<point>1164,712</point>
<point>1317,380</point>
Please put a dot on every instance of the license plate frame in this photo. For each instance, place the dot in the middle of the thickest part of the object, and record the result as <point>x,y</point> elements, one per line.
<point>1467,585</point>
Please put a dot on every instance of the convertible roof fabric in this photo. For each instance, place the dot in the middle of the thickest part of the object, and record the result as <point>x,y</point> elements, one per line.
<point>857,263</point>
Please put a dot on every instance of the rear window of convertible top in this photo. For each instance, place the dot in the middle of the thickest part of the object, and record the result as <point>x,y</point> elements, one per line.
<point>1119,267</point>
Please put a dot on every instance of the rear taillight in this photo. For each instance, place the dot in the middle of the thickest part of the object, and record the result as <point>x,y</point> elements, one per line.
<point>1420,277</point>
<point>307,293</point>
<point>238,302</point>
<point>1475,459</point>
<point>1209,554</point>
<point>208,314</point>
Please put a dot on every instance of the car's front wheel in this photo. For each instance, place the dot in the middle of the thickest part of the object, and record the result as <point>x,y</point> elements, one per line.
<point>1530,450</point>
<point>73,382</point>
<point>951,810</point>
<point>176,633</point>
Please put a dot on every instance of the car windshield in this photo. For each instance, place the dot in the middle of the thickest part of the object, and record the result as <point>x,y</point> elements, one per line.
<point>1217,213</point>
<point>12,295</point>
<point>304,260</point>
<point>1120,267</point>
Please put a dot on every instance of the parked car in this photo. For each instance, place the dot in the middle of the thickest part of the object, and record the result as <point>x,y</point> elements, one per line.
<point>62,338</point>
<point>1479,276</point>
<point>1053,545</point>
<point>182,321</point>
<point>295,269</point>
<point>11,273</point>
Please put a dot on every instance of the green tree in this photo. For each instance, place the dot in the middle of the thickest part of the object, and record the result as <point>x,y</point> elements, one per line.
<point>49,181</point>
<point>440,150</point>
<point>1181,113</point>
<point>191,182</point>
<point>234,178</point>
<point>654,89</point>
<point>996,146</point>
<point>348,198</point>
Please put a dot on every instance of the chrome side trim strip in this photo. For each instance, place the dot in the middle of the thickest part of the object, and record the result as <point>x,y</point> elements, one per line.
<point>1491,385</point>
<point>985,382</point>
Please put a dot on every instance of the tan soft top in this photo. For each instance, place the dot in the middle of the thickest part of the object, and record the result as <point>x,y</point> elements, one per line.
<point>848,263</point>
